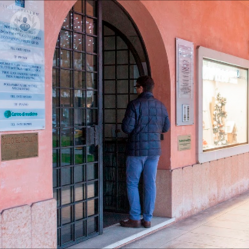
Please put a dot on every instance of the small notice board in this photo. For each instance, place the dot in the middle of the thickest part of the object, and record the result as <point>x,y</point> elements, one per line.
<point>184,142</point>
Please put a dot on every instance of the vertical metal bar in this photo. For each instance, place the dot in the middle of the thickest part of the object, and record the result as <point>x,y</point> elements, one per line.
<point>116,118</point>
<point>129,76</point>
<point>103,113</point>
<point>100,117</point>
<point>60,155</point>
<point>85,110</point>
<point>72,168</point>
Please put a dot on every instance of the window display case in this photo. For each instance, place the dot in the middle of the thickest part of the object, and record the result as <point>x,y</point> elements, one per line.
<point>223,105</point>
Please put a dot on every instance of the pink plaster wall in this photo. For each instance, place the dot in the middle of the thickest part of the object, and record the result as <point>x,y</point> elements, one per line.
<point>213,24</point>
<point>28,181</point>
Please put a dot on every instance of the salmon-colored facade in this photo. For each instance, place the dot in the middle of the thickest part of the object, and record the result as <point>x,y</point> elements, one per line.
<point>185,187</point>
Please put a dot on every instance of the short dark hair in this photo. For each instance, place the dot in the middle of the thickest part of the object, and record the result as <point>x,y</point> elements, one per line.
<point>146,82</point>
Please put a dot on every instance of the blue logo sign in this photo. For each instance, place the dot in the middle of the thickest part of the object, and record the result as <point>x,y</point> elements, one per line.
<point>20,3</point>
<point>7,114</point>
<point>25,26</point>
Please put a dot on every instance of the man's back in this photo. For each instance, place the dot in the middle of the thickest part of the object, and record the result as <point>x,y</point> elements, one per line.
<point>145,119</point>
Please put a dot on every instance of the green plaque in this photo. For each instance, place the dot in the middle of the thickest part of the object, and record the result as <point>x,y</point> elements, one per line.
<point>184,142</point>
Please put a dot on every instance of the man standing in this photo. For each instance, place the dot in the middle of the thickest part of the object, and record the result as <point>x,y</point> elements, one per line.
<point>145,119</point>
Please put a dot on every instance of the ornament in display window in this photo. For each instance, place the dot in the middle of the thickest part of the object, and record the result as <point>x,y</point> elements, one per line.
<point>204,144</point>
<point>219,117</point>
<point>231,130</point>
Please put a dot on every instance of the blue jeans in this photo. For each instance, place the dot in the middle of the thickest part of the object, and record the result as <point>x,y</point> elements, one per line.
<point>135,165</point>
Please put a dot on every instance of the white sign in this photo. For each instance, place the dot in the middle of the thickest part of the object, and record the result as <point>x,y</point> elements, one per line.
<point>22,74</point>
<point>185,70</point>
<point>184,82</point>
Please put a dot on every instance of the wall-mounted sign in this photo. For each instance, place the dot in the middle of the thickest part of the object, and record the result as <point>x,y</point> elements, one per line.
<point>184,82</point>
<point>184,142</point>
<point>22,87</point>
<point>18,146</point>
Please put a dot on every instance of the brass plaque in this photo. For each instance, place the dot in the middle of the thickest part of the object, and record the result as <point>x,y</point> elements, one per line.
<point>19,146</point>
<point>184,142</point>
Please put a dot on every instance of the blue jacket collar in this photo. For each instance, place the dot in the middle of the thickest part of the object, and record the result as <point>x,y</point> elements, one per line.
<point>146,94</point>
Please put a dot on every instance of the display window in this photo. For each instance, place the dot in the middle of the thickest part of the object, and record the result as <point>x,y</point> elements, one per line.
<point>223,105</point>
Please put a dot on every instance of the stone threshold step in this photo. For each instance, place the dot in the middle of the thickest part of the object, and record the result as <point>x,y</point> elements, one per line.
<point>116,236</point>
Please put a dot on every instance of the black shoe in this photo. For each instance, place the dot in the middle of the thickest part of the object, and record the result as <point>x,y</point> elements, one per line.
<point>130,223</point>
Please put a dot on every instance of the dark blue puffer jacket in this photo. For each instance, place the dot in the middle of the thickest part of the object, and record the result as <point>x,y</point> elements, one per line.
<point>145,119</point>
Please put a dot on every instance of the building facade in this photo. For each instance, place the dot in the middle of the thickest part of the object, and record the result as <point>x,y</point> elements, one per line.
<point>94,51</point>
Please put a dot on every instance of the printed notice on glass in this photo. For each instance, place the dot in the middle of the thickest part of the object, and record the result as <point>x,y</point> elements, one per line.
<point>184,82</point>
<point>22,75</point>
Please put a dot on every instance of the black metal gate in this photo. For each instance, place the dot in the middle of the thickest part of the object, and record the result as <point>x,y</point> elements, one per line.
<point>121,68</point>
<point>76,125</point>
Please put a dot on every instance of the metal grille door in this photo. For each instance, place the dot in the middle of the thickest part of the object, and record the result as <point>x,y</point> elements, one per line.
<point>121,68</point>
<point>76,150</point>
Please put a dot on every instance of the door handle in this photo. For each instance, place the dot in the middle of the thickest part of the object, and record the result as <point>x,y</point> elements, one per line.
<point>96,135</point>
<point>89,135</point>
<point>92,135</point>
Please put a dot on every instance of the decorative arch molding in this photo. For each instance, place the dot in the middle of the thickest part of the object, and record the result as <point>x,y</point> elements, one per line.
<point>159,64</point>
<point>154,44</point>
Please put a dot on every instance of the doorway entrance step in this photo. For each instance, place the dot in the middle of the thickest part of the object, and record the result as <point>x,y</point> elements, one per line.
<point>116,236</point>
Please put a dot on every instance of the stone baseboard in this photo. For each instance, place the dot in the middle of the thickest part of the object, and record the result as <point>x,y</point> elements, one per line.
<point>29,226</point>
<point>186,191</point>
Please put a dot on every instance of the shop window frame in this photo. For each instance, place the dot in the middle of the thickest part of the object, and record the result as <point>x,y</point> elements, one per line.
<point>219,57</point>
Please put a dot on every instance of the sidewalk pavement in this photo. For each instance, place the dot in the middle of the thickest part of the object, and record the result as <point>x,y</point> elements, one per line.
<point>225,225</point>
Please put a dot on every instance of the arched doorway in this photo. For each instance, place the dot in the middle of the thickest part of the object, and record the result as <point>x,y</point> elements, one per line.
<point>121,67</point>
<point>94,72</point>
